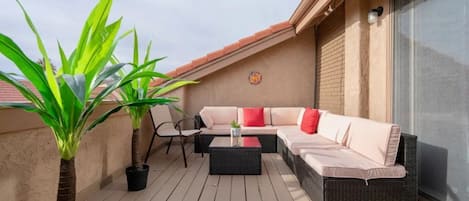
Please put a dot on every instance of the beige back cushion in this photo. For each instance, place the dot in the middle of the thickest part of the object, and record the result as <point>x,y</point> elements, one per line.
<point>376,140</point>
<point>334,127</point>
<point>285,115</point>
<point>213,115</point>
<point>300,116</point>
<point>267,120</point>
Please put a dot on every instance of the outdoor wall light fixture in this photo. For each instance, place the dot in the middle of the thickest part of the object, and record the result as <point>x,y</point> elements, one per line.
<point>328,11</point>
<point>374,14</point>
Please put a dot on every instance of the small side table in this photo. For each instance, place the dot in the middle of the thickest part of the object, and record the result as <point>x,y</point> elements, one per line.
<point>243,158</point>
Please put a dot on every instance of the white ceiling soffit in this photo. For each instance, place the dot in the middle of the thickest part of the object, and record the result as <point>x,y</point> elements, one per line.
<point>306,13</point>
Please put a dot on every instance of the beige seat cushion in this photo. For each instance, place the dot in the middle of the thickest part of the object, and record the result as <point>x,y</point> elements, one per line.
<point>282,116</point>
<point>283,131</point>
<point>267,120</point>
<point>213,115</point>
<point>346,163</point>
<point>375,140</point>
<point>334,127</point>
<point>297,142</point>
<point>217,129</point>
<point>173,132</point>
<point>266,130</point>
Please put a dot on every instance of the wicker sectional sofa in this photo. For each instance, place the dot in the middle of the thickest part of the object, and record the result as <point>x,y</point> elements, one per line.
<point>349,158</point>
<point>215,121</point>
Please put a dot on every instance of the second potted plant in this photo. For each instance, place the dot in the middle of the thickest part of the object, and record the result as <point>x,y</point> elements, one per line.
<point>140,89</point>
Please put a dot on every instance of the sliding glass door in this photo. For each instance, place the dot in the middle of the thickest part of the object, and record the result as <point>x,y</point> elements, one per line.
<point>431,91</point>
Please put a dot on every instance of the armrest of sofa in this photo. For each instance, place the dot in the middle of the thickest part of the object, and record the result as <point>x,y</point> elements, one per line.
<point>198,123</point>
<point>407,156</point>
<point>407,153</point>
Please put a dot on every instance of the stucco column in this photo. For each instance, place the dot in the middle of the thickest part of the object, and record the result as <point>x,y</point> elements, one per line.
<point>356,58</point>
<point>380,72</point>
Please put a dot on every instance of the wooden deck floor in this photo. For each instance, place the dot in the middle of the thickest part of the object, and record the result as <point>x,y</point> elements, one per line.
<point>169,180</point>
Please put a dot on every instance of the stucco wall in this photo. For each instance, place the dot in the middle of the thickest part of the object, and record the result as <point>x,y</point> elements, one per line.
<point>380,54</point>
<point>357,39</point>
<point>29,160</point>
<point>368,61</point>
<point>287,79</point>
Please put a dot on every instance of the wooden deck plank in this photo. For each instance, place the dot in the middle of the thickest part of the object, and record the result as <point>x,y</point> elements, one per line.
<point>197,185</point>
<point>156,186</point>
<point>224,188</point>
<point>159,162</point>
<point>117,189</point>
<point>169,180</point>
<point>265,185</point>
<point>179,189</point>
<point>121,189</point>
<point>252,188</point>
<point>210,188</point>
<point>238,188</point>
<point>164,187</point>
<point>280,189</point>
<point>290,179</point>
<point>157,166</point>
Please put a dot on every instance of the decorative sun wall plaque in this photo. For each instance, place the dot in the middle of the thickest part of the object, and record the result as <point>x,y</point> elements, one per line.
<point>255,78</point>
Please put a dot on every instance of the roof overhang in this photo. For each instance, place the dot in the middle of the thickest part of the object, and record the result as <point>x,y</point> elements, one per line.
<point>239,55</point>
<point>311,12</point>
<point>232,53</point>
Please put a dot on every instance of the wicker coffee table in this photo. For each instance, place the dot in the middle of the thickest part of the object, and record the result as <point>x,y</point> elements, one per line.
<point>230,158</point>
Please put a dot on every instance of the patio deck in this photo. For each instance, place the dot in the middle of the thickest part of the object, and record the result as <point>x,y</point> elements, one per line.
<point>169,180</point>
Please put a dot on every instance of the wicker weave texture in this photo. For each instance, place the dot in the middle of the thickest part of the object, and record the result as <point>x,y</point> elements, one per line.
<point>339,189</point>
<point>235,161</point>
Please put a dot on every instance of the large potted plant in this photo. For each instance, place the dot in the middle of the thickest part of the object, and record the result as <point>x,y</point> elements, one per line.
<point>64,101</point>
<point>135,91</point>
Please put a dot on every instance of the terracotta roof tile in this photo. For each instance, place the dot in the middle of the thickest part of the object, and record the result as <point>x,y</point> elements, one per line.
<point>247,40</point>
<point>214,55</point>
<point>231,48</point>
<point>225,50</point>
<point>185,68</point>
<point>262,34</point>
<point>280,26</point>
<point>172,73</point>
<point>8,93</point>
<point>200,61</point>
<point>156,82</point>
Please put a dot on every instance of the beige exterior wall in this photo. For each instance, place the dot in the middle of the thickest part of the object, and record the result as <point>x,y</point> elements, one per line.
<point>380,83</point>
<point>29,160</point>
<point>287,79</point>
<point>367,79</point>
<point>356,58</point>
<point>368,61</point>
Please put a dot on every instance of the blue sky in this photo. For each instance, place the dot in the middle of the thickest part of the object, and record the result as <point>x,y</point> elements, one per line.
<point>182,30</point>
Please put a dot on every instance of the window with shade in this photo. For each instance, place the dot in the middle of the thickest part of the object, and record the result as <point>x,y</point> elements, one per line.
<point>431,91</point>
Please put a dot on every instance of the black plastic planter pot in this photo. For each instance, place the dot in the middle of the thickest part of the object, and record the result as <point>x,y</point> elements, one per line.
<point>137,177</point>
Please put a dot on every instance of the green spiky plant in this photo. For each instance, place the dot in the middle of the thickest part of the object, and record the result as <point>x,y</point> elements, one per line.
<point>235,124</point>
<point>64,101</point>
<point>140,89</point>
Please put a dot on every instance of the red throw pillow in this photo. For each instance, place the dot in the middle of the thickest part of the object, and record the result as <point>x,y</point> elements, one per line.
<point>309,124</point>
<point>253,116</point>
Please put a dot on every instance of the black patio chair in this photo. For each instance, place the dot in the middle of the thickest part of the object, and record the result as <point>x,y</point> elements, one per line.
<point>165,127</point>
